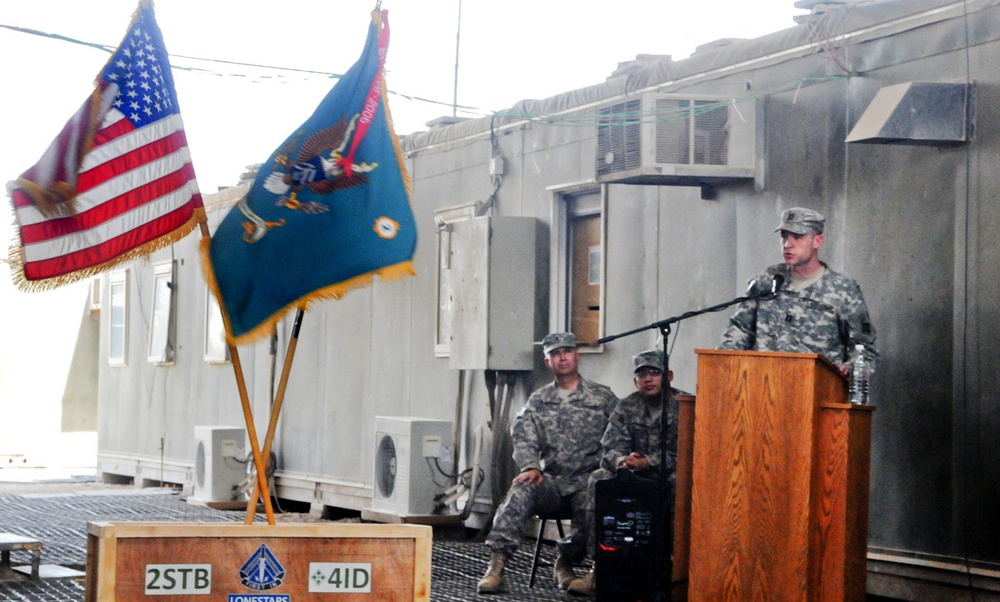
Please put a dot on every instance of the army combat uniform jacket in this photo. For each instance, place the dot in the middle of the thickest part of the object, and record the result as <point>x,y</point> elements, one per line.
<point>634,426</point>
<point>827,318</point>
<point>563,440</point>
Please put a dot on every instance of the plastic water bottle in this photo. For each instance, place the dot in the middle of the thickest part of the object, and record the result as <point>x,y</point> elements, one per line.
<point>860,372</point>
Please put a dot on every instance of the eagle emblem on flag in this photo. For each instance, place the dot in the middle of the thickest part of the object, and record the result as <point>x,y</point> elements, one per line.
<point>336,190</point>
<point>317,166</point>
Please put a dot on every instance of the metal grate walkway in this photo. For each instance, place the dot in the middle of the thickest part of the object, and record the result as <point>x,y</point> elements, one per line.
<point>59,520</point>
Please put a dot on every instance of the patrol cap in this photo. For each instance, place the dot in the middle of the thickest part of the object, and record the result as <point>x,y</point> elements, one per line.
<point>652,358</point>
<point>801,220</point>
<point>558,340</point>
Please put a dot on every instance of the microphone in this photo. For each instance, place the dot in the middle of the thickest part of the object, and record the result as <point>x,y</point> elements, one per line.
<point>776,283</point>
<point>763,287</point>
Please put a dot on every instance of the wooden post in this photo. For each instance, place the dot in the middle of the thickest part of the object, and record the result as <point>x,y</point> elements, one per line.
<point>241,385</point>
<point>279,399</point>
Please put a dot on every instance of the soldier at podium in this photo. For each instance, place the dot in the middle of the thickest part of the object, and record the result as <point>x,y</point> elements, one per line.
<point>814,309</point>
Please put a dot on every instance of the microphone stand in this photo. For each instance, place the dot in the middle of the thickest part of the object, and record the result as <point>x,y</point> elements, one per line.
<point>666,393</point>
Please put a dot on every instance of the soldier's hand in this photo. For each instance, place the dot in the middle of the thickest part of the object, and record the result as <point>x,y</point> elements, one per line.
<point>634,461</point>
<point>531,476</point>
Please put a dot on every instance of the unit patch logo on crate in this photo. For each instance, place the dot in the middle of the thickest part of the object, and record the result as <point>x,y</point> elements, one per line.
<point>345,577</point>
<point>262,571</point>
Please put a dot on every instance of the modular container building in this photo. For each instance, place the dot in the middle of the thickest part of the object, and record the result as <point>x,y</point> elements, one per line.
<point>610,208</point>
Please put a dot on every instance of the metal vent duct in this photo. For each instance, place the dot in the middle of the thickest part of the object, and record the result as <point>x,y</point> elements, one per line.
<point>920,113</point>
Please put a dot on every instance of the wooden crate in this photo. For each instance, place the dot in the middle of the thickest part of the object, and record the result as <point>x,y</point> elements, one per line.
<point>198,562</point>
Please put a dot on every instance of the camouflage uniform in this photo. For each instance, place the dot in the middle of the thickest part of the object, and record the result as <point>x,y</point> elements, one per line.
<point>563,440</point>
<point>828,318</point>
<point>634,426</point>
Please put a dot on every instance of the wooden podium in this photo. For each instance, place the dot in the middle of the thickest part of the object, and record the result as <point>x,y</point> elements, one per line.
<point>779,498</point>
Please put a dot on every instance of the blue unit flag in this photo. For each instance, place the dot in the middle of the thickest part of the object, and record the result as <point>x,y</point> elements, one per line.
<point>328,211</point>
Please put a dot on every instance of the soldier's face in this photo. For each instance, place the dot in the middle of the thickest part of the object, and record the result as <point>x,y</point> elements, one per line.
<point>562,362</point>
<point>648,381</point>
<point>800,249</point>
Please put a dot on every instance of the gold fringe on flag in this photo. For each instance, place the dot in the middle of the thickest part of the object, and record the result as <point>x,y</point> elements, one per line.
<point>334,291</point>
<point>16,258</point>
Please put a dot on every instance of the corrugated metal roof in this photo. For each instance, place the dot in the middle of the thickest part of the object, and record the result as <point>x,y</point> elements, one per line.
<point>851,23</point>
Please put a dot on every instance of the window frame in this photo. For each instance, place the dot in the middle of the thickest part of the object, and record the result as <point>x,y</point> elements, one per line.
<point>166,270</point>
<point>115,279</point>
<point>443,217</point>
<point>210,354</point>
<point>94,295</point>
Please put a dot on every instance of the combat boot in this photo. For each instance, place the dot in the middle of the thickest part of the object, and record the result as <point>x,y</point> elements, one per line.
<point>562,572</point>
<point>584,587</point>
<point>492,582</point>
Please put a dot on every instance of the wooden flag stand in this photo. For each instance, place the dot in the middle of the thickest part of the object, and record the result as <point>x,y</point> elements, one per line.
<point>136,561</point>
<point>127,562</point>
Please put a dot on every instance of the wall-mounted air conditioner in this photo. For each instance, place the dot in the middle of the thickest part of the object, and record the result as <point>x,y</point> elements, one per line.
<point>670,139</point>
<point>218,463</point>
<point>408,452</point>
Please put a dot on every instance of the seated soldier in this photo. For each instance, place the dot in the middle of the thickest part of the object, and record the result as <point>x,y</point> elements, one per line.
<point>557,445</point>
<point>632,441</point>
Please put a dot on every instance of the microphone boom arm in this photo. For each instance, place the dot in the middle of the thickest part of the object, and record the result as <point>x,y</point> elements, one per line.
<point>664,325</point>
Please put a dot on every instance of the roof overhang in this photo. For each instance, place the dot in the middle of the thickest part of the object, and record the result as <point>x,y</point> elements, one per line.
<point>919,113</point>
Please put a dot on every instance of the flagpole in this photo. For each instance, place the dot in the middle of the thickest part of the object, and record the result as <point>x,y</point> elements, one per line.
<point>234,355</point>
<point>272,425</point>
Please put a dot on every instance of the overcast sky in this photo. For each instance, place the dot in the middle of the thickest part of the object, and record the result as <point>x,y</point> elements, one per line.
<point>235,115</point>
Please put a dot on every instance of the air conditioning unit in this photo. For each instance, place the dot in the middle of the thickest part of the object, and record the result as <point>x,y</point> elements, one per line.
<point>408,451</point>
<point>219,464</point>
<point>682,140</point>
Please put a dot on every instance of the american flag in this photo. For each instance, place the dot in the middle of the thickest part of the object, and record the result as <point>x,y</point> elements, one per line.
<point>117,182</point>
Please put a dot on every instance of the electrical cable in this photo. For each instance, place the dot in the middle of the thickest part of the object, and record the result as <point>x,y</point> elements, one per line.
<point>456,428</point>
<point>502,449</point>
<point>245,487</point>
<point>435,468</point>
<point>478,475</point>
<point>964,374</point>
<point>824,38</point>
<point>283,75</point>
<point>583,119</point>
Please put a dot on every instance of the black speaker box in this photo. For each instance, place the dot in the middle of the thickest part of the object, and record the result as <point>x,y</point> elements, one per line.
<point>630,559</point>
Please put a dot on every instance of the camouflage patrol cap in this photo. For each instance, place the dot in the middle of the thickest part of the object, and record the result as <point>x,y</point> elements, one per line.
<point>801,220</point>
<point>652,358</point>
<point>558,340</point>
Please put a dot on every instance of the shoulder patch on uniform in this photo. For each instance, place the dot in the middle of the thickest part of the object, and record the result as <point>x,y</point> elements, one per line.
<point>616,420</point>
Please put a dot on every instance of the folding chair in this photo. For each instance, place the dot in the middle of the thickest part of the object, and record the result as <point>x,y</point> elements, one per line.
<point>559,516</point>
